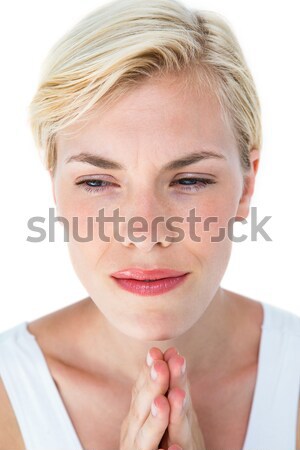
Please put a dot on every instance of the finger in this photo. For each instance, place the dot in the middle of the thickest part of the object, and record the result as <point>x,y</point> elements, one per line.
<point>151,432</point>
<point>140,426</point>
<point>179,425</point>
<point>171,351</point>
<point>154,354</point>
<point>183,423</point>
<point>179,397</point>
<point>178,376</point>
<point>155,383</point>
<point>177,368</point>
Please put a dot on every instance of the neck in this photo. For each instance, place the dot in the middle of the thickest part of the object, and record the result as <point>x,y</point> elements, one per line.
<point>206,345</point>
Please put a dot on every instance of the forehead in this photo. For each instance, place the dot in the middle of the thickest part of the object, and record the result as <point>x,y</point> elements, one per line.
<point>167,114</point>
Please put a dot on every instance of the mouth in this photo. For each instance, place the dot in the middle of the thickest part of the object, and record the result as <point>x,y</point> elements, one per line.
<point>149,282</point>
<point>147,275</point>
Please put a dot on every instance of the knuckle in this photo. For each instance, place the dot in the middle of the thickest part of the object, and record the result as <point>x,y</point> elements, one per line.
<point>136,414</point>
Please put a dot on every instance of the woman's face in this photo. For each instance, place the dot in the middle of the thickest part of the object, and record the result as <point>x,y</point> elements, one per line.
<point>152,125</point>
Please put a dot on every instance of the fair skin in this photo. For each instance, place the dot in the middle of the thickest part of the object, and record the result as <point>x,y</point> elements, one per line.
<point>215,331</point>
<point>152,129</point>
<point>158,122</point>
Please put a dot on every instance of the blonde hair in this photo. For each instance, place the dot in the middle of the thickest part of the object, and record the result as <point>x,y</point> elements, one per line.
<point>120,44</point>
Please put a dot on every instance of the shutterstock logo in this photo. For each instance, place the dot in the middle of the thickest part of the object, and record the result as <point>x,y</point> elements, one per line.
<point>94,228</point>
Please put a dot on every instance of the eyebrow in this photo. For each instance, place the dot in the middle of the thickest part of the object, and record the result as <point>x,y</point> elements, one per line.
<point>104,163</point>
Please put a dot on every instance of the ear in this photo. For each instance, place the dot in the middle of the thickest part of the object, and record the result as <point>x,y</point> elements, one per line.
<point>249,183</point>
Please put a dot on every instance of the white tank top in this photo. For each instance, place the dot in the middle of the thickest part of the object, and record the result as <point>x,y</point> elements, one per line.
<point>46,425</point>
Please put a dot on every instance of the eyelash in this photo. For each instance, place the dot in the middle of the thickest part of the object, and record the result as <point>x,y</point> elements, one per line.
<point>194,188</point>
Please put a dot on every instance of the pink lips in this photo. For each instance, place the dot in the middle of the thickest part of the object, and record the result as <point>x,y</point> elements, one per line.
<point>162,280</point>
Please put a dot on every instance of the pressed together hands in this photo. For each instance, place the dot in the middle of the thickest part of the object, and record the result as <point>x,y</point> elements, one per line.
<point>161,414</point>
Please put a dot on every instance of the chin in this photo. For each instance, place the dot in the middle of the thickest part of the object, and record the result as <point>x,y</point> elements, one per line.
<point>154,331</point>
<point>154,337</point>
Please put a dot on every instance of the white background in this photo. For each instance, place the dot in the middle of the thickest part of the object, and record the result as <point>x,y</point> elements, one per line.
<point>38,278</point>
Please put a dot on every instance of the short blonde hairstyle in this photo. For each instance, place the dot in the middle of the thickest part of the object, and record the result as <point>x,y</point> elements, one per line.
<point>120,44</point>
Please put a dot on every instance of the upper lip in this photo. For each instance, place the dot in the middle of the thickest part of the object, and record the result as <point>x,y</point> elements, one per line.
<point>142,274</point>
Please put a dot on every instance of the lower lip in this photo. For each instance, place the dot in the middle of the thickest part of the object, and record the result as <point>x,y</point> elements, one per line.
<point>151,287</point>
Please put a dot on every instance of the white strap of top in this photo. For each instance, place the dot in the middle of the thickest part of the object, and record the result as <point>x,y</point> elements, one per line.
<point>273,419</point>
<point>39,409</point>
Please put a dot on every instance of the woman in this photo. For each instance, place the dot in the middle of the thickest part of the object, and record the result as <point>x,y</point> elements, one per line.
<point>148,109</point>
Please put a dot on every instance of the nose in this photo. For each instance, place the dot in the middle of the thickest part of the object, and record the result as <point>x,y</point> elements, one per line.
<point>145,224</point>
<point>146,244</point>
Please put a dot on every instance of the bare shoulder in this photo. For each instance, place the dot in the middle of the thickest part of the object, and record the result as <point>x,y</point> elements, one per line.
<point>245,307</point>
<point>58,327</point>
<point>49,330</point>
<point>64,348</point>
<point>254,308</point>
<point>10,434</point>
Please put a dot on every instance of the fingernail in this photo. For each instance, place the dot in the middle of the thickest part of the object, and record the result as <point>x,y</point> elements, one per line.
<point>153,373</point>
<point>149,359</point>
<point>153,409</point>
<point>183,367</point>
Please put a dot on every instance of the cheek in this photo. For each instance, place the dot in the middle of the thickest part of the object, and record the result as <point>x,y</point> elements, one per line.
<point>81,214</point>
<point>85,246</point>
<point>211,243</point>
<point>209,217</point>
<point>87,259</point>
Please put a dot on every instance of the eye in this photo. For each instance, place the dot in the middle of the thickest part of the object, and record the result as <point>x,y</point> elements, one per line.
<point>197,183</point>
<point>95,186</point>
<point>189,184</point>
